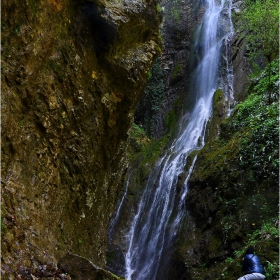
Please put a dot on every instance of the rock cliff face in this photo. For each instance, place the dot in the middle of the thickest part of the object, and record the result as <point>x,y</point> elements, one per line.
<point>214,228</point>
<point>168,84</point>
<point>231,203</point>
<point>159,107</point>
<point>72,74</point>
<point>232,197</point>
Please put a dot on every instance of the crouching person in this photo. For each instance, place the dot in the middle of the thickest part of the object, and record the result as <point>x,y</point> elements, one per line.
<point>252,266</point>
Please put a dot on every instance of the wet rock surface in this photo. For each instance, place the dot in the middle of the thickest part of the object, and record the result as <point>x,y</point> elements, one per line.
<point>239,58</point>
<point>115,260</point>
<point>81,268</point>
<point>214,228</point>
<point>69,93</point>
<point>167,89</point>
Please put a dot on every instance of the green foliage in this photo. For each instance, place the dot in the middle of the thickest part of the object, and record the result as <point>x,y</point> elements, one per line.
<point>267,229</point>
<point>263,240</point>
<point>150,105</point>
<point>137,131</point>
<point>258,123</point>
<point>241,168</point>
<point>137,140</point>
<point>175,12</point>
<point>224,274</point>
<point>249,108</point>
<point>149,75</point>
<point>260,20</point>
<point>272,270</point>
<point>172,116</point>
<point>176,71</point>
<point>267,232</point>
<point>170,120</point>
<point>268,82</point>
<point>229,260</point>
<point>159,8</point>
<point>261,82</point>
<point>259,23</point>
<point>153,152</point>
<point>144,148</point>
<point>62,236</point>
<point>260,144</point>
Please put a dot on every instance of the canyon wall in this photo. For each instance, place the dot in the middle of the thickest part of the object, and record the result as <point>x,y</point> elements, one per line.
<point>168,85</point>
<point>72,74</point>
<point>232,193</point>
<point>214,228</point>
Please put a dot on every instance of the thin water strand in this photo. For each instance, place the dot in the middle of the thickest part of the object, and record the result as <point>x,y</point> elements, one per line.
<point>117,215</point>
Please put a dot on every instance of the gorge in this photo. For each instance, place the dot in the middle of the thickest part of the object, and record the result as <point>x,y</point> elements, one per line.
<point>124,154</point>
<point>157,219</point>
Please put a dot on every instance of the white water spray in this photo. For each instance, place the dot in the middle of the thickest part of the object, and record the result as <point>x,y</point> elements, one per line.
<point>159,213</point>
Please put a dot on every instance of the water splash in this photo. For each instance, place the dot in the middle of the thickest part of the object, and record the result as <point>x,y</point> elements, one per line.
<point>159,212</point>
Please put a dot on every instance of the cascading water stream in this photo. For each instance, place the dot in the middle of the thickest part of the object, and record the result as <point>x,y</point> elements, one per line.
<point>159,213</point>
<point>117,214</point>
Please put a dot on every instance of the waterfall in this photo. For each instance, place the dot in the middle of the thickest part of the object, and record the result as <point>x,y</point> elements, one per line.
<point>159,213</point>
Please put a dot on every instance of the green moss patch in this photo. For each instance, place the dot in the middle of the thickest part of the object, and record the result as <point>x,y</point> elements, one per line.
<point>233,196</point>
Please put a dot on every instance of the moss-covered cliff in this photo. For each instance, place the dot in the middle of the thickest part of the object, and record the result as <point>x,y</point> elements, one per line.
<point>168,83</point>
<point>234,188</point>
<point>157,114</point>
<point>233,193</point>
<point>72,74</point>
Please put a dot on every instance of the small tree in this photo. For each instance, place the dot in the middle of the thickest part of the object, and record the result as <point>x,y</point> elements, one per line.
<point>260,25</point>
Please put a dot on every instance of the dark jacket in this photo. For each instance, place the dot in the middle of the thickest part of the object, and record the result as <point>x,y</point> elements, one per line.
<point>251,264</point>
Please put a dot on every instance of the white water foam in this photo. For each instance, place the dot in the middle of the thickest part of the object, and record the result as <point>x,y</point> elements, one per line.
<point>159,213</point>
